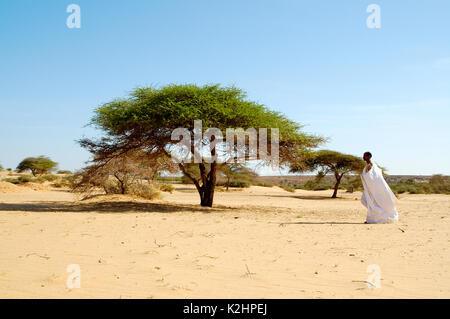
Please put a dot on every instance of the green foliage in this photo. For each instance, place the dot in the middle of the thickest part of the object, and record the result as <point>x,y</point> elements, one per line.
<point>37,165</point>
<point>1,168</point>
<point>174,106</point>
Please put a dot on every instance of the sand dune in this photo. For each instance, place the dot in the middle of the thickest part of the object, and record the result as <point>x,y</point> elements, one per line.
<point>258,243</point>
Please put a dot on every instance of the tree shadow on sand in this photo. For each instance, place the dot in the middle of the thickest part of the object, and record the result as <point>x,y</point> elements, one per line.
<point>308,197</point>
<point>321,223</point>
<point>106,207</point>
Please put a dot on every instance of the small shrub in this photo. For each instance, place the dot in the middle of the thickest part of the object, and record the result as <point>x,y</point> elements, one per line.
<point>317,186</point>
<point>49,177</point>
<point>186,180</point>
<point>147,191</point>
<point>220,189</point>
<point>265,184</point>
<point>240,184</point>
<point>19,181</point>
<point>64,172</point>
<point>235,183</point>
<point>11,180</point>
<point>288,188</point>
<point>166,187</point>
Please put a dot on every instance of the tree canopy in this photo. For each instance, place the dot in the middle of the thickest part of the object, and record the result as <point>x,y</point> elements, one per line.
<point>146,119</point>
<point>37,165</point>
<point>326,162</point>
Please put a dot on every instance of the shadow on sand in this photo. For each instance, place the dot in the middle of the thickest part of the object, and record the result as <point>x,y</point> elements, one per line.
<point>307,197</point>
<point>106,207</point>
<point>322,223</point>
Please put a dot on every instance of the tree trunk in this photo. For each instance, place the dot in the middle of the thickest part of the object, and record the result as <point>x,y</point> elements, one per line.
<point>209,184</point>
<point>208,180</point>
<point>336,186</point>
<point>207,197</point>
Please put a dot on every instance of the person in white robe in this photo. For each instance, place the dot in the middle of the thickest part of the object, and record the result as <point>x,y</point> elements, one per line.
<point>377,197</point>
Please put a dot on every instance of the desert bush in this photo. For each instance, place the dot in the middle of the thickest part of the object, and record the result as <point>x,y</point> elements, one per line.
<point>123,174</point>
<point>1,168</point>
<point>288,188</point>
<point>317,186</point>
<point>19,181</point>
<point>353,184</point>
<point>166,187</point>
<point>186,180</point>
<point>234,183</point>
<point>146,191</point>
<point>64,172</point>
<point>438,184</point>
<point>49,177</point>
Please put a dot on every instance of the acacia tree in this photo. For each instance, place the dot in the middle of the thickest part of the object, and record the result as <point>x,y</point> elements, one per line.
<point>146,119</point>
<point>327,162</point>
<point>37,165</point>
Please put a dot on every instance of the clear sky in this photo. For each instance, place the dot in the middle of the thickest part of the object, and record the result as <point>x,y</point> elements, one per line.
<point>385,90</point>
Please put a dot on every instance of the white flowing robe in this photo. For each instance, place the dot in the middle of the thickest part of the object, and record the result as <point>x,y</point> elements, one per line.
<point>378,197</point>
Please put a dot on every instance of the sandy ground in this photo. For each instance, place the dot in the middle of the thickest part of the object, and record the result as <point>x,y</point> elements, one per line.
<point>257,243</point>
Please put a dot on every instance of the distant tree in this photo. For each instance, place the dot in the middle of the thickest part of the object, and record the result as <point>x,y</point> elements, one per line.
<point>37,165</point>
<point>327,162</point>
<point>236,172</point>
<point>146,120</point>
<point>1,168</point>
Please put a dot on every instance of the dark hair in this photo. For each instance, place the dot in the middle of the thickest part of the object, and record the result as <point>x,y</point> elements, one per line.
<point>368,153</point>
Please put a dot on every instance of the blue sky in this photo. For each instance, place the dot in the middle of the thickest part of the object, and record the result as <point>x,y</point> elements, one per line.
<point>385,90</point>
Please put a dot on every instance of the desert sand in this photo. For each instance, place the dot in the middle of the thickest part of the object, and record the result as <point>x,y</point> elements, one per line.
<point>255,243</point>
